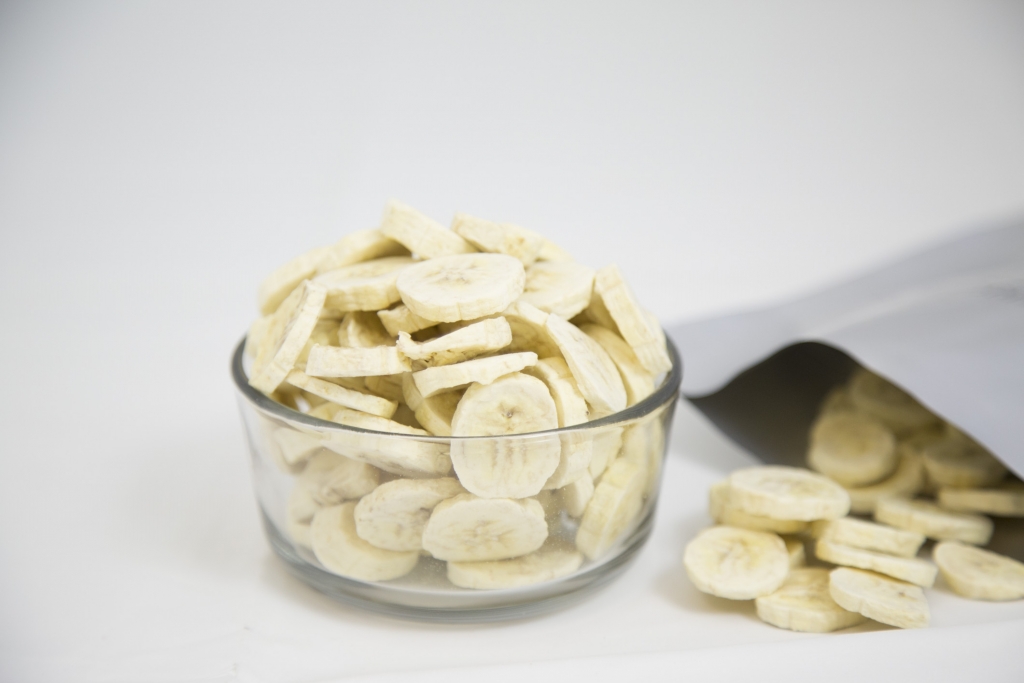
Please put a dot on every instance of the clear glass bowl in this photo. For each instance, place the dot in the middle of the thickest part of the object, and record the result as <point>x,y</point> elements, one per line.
<point>616,521</point>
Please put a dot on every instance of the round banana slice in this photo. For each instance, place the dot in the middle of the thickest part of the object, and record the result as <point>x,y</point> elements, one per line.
<point>529,331</point>
<point>302,507</point>
<point>882,399</point>
<point>909,569</point>
<point>723,513</point>
<point>870,536</point>
<point>906,482</point>
<point>491,334</point>
<point>510,466</point>
<point>575,496</point>
<point>338,361</point>
<point>499,238</point>
<point>331,478</point>
<point>364,330</point>
<point>340,550</point>
<point>461,287</point>
<point>1006,500</point>
<point>432,381</point>
<point>289,329</point>
<point>606,442</point>
<point>595,372</point>
<point>631,321</point>
<point>545,564</point>
<point>420,234</point>
<point>394,514</point>
<point>934,522</point>
<point>357,247</point>
<point>559,287</point>
<point>852,449</point>
<point>577,447</point>
<point>737,564</point>
<point>879,597</point>
<point>804,603</point>
<point>979,574</point>
<point>795,550</point>
<point>617,501</point>
<point>471,529</point>
<point>963,463</point>
<point>367,286</point>
<point>638,382</point>
<point>356,400</point>
<point>787,493</point>
<point>402,456</point>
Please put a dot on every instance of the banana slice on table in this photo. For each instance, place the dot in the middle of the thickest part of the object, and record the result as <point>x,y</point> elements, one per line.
<point>574,497</point>
<point>513,466</point>
<point>595,372</point>
<point>367,286</point>
<point>462,287</point>
<point>963,463</point>
<point>286,336</point>
<point>302,507</point>
<point>401,319</point>
<point>463,344</point>
<point>341,551</point>
<point>467,528</point>
<point>639,383</point>
<point>334,393</point>
<point>559,287</point>
<point>577,447</point>
<point>852,449</point>
<point>421,235</point>
<point>395,513</point>
<point>364,330</point>
<point>632,322</point>
<point>933,521</point>
<point>546,564</point>
<point>430,381</point>
<point>402,456</point>
<point>337,361</point>
<point>906,482</point>
<point>979,574</point>
<point>909,569</point>
<point>529,330</point>
<point>331,478</point>
<point>1006,500</point>
<point>804,603</point>
<point>738,564</point>
<point>882,399</point>
<point>499,238</point>
<point>723,513</point>
<point>870,536</point>
<point>617,501</point>
<point>787,493</point>
<point>878,597</point>
<point>796,551</point>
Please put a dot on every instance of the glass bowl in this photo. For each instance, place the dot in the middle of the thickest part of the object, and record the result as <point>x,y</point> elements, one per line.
<point>303,464</point>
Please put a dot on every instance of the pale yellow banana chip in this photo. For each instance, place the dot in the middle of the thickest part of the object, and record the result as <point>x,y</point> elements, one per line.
<point>796,551</point>
<point>355,400</point>
<point>363,329</point>
<point>368,286</point>
<point>280,283</point>
<point>337,361</point>
<point>387,386</point>
<point>878,597</point>
<point>852,449</point>
<point>549,251</point>
<point>737,564</point>
<point>471,529</point>
<point>615,506</point>
<point>882,399</point>
<point>596,375</point>
<point>340,550</point>
<point>560,287</point>
<point>934,522</point>
<point>574,497</point>
<point>723,513</point>
<point>963,463</point>
<point>909,569</point>
<point>529,330</point>
<point>331,478</point>
<point>359,246</point>
<point>461,287</point>
<point>631,320</point>
<point>499,238</point>
<point>401,319</point>
<point>870,536</point>
<point>577,447</point>
<point>486,336</point>
<point>421,235</point>
<point>639,383</point>
<point>787,493</point>
<point>286,336</point>
<point>395,513</point>
<point>979,574</point>
<point>606,444</point>
<point>804,603</point>
<point>906,482</point>
<point>1005,500</point>
<point>302,507</point>
<point>545,564</point>
<point>434,380</point>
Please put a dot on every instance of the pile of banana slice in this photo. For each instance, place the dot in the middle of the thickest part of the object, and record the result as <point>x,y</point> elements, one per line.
<point>873,448</point>
<point>482,330</point>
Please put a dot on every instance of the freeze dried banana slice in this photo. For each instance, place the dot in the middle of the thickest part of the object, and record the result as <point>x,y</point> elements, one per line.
<point>577,447</point>
<point>909,569</point>
<point>545,564</point>
<point>738,564</point>
<point>804,603</point>
<point>638,382</point>
<point>341,551</point>
<point>574,497</point>
<point>795,550</point>
<point>787,493</point>
<point>436,412</point>
<point>632,321</point>
<point>979,574</point>
<point>302,507</point>
<point>883,400</point>
<point>879,597</point>
<point>963,463</point>
<point>401,319</point>
<point>549,251</point>
<point>337,361</point>
<point>617,501</point>
<point>852,449</point>
<point>292,324</point>
<point>934,522</point>
<point>283,281</point>
<point>499,238</point>
<point>463,344</point>
<point>368,286</point>
<point>723,513</point>
<point>1006,500</point>
<point>513,466</point>
<point>324,332</point>
<point>471,529</point>
<point>430,381</point>
<point>357,247</point>
<point>606,443</point>
<point>388,386</point>
<point>331,478</point>
<point>595,372</point>
<point>421,235</point>
<point>364,330</point>
<point>559,287</point>
<point>905,482</point>
<point>395,513</point>
<point>355,400</point>
<point>294,447</point>
<point>462,287</point>
<point>870,536</point>
<point>529,330</point>
<point>402,456</point>
<point>644,443</point>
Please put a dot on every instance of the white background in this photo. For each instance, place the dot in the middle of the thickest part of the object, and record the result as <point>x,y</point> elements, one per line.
<point>156,160</point>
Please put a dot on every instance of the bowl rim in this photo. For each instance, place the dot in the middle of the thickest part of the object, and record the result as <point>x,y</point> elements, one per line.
<point>666,392</point>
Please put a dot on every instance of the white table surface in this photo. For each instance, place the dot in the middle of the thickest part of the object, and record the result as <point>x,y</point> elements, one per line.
<point>156,160</point>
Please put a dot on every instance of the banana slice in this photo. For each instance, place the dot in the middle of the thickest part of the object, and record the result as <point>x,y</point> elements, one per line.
<point>395,513</point>
<point>606,443</point>
<point>368,286</point>
<point>402,456</point>
<point>331,478</point>
<point>462,287</point>
<point>934,522</point>
<point>340,550</point>
<point>787,493</point>
<point>979,574</point>
<point>909,569</point>
<point>355,400</point>
<point>545,564</point>
<point>795,550</point>
<point>363,329</point>
<point>883,400</point>
<point>595,372</point>
<point>879,597</point>
<point>638,382</point>
<point>549,251</point>
<point>471,529</point>
<point>388,386</point>
<point>324,411</point>
<point>293,447</point>
<point>513,466</point>
<point>405,416</point>
<point>291,326</point>
<point>401,319</point>
<point>577,447</point>
<point>419,234</point>
<point>905,482</point>
<point>962,463</point>
<point>1006,500</point>
<point>325,332</point>
<point>632,321</point>
<point>617,501</point>
<point>559,287</point>
<point>499,238</point>
<point>436,413</point>
<point>283,281</point>
<point>468,342</point>
<point>430,381</point>
<point>804,603</point>
<point>574,497</point>
<point>302,507</point>
<point>723,513</point>
<point>737,564</point>
<point>337,361</point>
<point>852,449</point>
<point>257,331</point>
<point>357,247</point>
<point>870,536</point>
<point>529,330</point>
<point>644,443</point>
